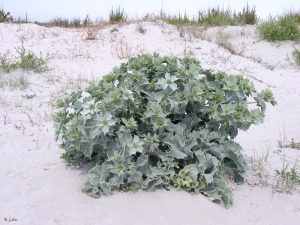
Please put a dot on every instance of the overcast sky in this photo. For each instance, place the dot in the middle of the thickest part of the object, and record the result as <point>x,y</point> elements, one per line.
<point>43,10</point>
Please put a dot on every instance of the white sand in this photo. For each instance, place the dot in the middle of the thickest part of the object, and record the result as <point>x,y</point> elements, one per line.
<point>36,187</point>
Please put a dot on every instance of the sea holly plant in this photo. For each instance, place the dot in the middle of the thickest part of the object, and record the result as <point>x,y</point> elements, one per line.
<point>160,122</point>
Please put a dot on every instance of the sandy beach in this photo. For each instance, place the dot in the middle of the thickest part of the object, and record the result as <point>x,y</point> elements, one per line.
<point>37,187</point>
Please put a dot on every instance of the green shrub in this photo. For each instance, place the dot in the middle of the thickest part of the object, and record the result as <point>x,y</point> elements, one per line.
<point>159,122</point>
<point>29,61</point>
<point>296,55</point>
<point>118,15</point>
<point>280,29</point>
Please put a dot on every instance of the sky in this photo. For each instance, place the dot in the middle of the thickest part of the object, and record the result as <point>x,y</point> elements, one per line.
<point>45,10</point>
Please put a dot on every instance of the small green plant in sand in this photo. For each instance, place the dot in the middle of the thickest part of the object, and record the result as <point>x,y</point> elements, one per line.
<point>296,55</point>
<point>29,61</point>
<point>117,15</point>
<point>160,122</point>
<point>287,178</point>
<point>279,29</point>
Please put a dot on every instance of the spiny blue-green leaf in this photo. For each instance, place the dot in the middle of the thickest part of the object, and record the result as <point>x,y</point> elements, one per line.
<point>225,192</point>
<point>155,96</point>
<point>190,121</point>
<point>100,170</point>
<point>92,187</point>
<point>135,177</point>
<point>151,183</point>
<point>180,148</point>
<point>88,149</point>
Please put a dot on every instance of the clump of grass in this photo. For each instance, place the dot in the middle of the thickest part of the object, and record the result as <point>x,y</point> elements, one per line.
<point>282,28</point>
<point>118,15</point>
<point>29,61</point>
<point>216,16</point>
<point>248,16</point>
<point>296,55</point>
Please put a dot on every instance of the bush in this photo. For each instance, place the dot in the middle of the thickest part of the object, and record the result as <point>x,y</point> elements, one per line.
<point>29,61</point>
<point>159,122</point>
<point>280,29</point>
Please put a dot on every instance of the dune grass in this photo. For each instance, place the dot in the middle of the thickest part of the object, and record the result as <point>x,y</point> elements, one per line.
<point>117,15</point>
<point>282,28</point>
<point>215,17</point>
<point>76,22</point>
<point>210,17</point>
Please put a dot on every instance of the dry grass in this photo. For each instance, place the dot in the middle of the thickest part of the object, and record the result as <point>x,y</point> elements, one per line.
<point>91,32</point>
